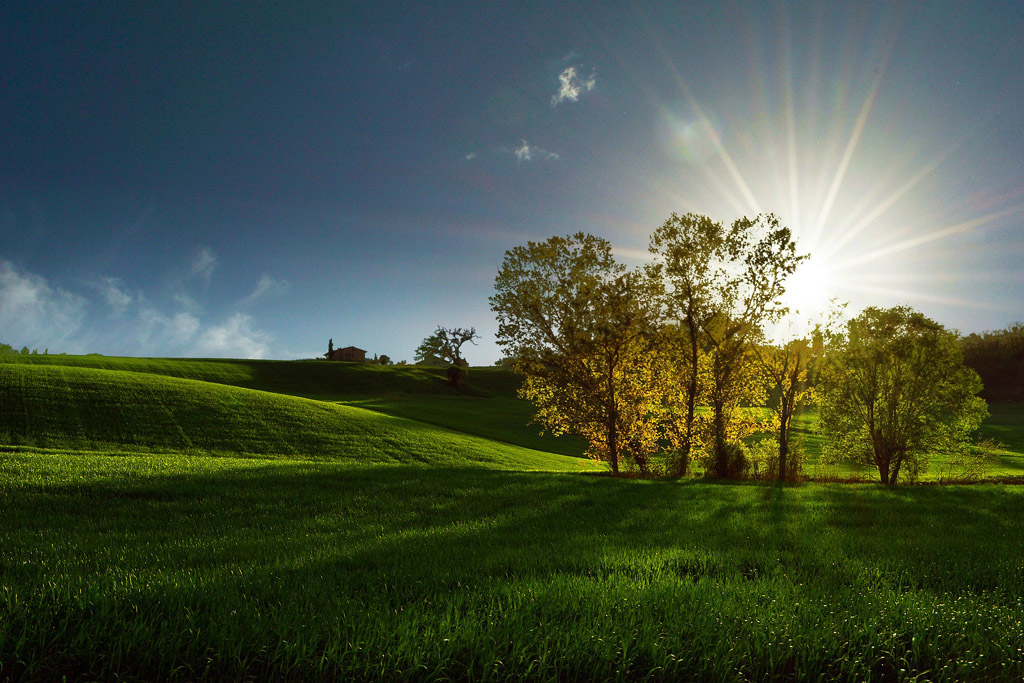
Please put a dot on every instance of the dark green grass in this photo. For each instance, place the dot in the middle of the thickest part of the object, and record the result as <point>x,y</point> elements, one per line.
<point>214,568</point>
<point>85,408</point>
<point>486,406</point>
<point>309,379</point>
<point>495,417</point>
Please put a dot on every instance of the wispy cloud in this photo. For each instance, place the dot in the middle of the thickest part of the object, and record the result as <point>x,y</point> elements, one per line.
<point>166,333</point>
<point>267,286</point>
<point>527,152</point>
<point>115,293</point>
<point>235,338</point>
<point>35,313</point>
<point>571,85</point>
<point>203,265</point>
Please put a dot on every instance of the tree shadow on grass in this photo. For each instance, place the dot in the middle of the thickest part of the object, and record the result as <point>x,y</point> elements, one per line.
<point>472,525</point>
<point>263,557</point>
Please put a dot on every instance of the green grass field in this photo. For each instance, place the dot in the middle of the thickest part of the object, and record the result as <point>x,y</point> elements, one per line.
<point>240,520</point>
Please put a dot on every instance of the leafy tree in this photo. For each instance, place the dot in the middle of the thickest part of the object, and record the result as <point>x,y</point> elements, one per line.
<point>446,345</point>
<point>685,374</point>
<point>384,359</point>
<point>581,330</point>
<point>786,369</point>
<point>895,390</point>
<point>723,284</point>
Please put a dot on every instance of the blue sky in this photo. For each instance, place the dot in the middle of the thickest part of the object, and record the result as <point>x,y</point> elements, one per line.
<point>251,179</point>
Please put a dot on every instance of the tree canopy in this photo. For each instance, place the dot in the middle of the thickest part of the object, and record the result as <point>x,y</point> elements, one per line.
<point>895,391</point>
<point>723,283</point>
<point>445,345</point>
<point>580,327</point>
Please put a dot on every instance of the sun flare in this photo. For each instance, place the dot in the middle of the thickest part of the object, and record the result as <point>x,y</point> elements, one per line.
<point>809,289</point>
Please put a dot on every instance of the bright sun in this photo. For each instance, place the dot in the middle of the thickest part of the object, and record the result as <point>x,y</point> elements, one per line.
<point>810,288</point>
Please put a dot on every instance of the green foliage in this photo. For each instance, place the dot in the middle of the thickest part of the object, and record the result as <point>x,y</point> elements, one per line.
<point>894,391</point>
<point>764,457</point>
<point>730,461</point>
<point>723,283</point>
<point>581,330</point>
<point>998,358</point>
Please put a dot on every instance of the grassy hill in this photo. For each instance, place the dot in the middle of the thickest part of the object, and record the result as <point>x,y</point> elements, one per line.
<point>325,541</point>
<point>310,379</point>
<point>485,406</point>
<point>67,407</point>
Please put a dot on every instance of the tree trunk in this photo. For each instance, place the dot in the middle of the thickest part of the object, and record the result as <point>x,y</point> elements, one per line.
<point>784,417</point>
<point>613,446</point>
<point>691,397</point>
<point>613,419</point>
<point>883,469</point>
<point>721,454</point>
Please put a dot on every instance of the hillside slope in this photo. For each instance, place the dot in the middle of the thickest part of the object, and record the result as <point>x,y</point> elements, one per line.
<point>485,406</point>
<point>51,406</point>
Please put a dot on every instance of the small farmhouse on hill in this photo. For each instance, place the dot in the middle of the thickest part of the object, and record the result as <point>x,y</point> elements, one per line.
<point>348,353</point>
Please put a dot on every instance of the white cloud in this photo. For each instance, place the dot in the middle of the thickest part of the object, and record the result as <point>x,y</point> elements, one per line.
<point>470,156</point>
<point>204,264</point>
<point>235,338</point>
<point>115,293</point>
<point>160,333</point>
<point>267,286</point>
<point>572,85</point>
<point>527,152</point>
<point>33,313</point>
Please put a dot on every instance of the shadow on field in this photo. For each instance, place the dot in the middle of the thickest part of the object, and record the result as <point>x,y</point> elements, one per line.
<point>400,528</point>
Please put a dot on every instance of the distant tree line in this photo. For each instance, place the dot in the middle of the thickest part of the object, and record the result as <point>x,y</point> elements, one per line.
<point>659,366</point>
<point>998,357</point>
<point>8,350</point>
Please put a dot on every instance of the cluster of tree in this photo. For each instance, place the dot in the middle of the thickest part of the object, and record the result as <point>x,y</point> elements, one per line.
<point>444,346</point>
<point>998,357</point>
<point>8,350</point>
<point>663,362</point>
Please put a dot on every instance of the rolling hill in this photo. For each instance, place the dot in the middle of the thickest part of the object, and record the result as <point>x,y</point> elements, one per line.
<point>74,407</point>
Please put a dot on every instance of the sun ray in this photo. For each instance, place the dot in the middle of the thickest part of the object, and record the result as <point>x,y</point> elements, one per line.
<point>730,165</point>
<point>848,234</point>
<point>917,295</point>
<point>844,163</point>
<point>713,135</point>
<point>913,242</point>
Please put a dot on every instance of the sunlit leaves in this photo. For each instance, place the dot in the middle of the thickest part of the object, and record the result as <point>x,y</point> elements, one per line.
<point>895,391</point>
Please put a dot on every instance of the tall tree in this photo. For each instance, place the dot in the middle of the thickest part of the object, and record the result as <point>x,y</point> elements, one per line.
<point>786,367</point>
<point>581,329</point>
<point>723,284</point>
<point>789,368</point>
<point>895,390</point>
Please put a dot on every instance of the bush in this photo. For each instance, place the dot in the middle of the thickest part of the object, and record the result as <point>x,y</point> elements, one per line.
<point>734,465</point>
<point>456,374</point>
<point>764,459</point>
